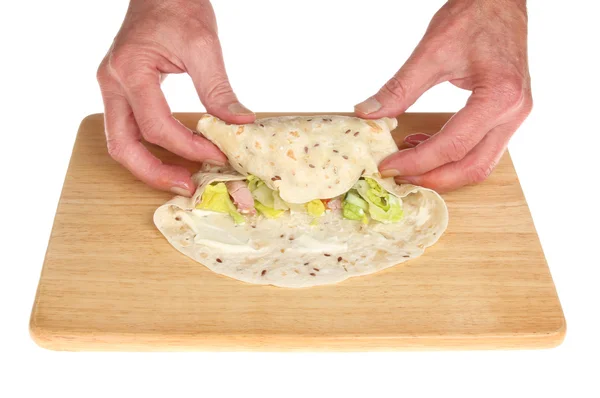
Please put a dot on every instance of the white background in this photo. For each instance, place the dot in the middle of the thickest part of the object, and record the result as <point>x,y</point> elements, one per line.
<point>49,54</point>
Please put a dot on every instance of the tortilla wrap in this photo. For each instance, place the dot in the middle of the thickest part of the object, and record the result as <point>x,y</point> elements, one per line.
<point>291,153</point>
<point>297,250</point>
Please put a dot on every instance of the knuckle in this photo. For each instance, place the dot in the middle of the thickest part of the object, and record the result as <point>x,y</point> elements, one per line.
<point>527,104</point>
<point>436,51</point>
<point>456,149</point>
<point>153,130</point>
<point>124,65</point>
<point>511,90</point>
<point>119,59</point>
<point>116,149</point>
<point>102,73</point>
<point>219,89</point>
<point>480,172</point>
<point>394,88</point>
<point>204,39</point>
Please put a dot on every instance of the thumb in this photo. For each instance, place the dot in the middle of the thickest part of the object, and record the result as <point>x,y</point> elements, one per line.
<point>207,70</point>
<point>415,77</point>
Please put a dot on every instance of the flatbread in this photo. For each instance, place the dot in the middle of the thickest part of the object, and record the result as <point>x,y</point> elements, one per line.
<point>289,251</point>
<point>292,153</point>
<point>296,250</point>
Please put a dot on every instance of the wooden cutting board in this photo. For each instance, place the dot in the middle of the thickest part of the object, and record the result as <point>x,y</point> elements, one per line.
<point>110,281</point>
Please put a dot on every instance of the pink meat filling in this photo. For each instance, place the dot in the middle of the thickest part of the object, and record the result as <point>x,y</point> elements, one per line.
<point>241,195</point>
<point>334,204</point>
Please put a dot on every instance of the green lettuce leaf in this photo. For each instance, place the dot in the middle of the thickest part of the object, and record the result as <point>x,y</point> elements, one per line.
<point>266,200</point>
<point>354,207</point>
<point>383,206</point>
<point>268,212</point>
<point>377,194</point>
<point>216,198</point>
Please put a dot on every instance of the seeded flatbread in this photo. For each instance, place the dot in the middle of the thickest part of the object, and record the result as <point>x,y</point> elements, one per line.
<point>290,153</point>
<point>295,250</point>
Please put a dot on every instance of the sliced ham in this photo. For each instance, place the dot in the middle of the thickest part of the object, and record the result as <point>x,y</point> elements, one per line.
<point>334,204</point>
<point>242,197</point>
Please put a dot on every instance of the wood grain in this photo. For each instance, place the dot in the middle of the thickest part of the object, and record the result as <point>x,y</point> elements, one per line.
<point>110,281</point>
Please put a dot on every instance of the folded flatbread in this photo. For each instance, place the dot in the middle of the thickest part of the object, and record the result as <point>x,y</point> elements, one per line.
<point>301,203</point>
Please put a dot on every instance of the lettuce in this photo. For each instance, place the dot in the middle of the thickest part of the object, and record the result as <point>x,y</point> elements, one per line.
<point>377,194</point>
<point>267,201</point>
<point>354,207</point>
<point>383,206</point>
<point>268,212</point>
<point>216,198</point>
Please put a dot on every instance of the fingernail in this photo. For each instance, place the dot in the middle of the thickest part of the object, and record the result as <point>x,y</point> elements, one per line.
<point>389,173</point>
<point>407,180</point>
<point>180,191</point>
<point>369,106</point>
<point>238,109</point>
<point>215,162</point>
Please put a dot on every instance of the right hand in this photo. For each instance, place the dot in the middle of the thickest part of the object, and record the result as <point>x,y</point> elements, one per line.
<point>159,37</point>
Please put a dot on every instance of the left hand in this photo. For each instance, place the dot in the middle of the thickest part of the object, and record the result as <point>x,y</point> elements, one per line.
<point>477,45</point>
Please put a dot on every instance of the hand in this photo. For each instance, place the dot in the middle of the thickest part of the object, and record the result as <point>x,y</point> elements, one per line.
<point>159,37</point>
<point>477,45</point>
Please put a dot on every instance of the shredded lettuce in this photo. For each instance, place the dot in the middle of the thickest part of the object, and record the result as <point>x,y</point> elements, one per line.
<point>366,198</point>
<point>383,207</point>
<point>266,200</point>
<point>268,212</point>
<point>315,208</point>
<point>354,207</point>
<point>216,198</point>
<point>377,194</point>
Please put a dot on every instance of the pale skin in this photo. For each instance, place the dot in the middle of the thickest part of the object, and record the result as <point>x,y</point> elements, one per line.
<point>477,45</point>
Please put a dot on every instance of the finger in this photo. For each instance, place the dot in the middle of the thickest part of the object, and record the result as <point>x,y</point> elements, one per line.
<point>416,76</point>
<point>457,138</point>
<point>122,137</point>
<point>157,124</point>
<point>206,67</point>
<point>416,139</point>
<point>474,168</point>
